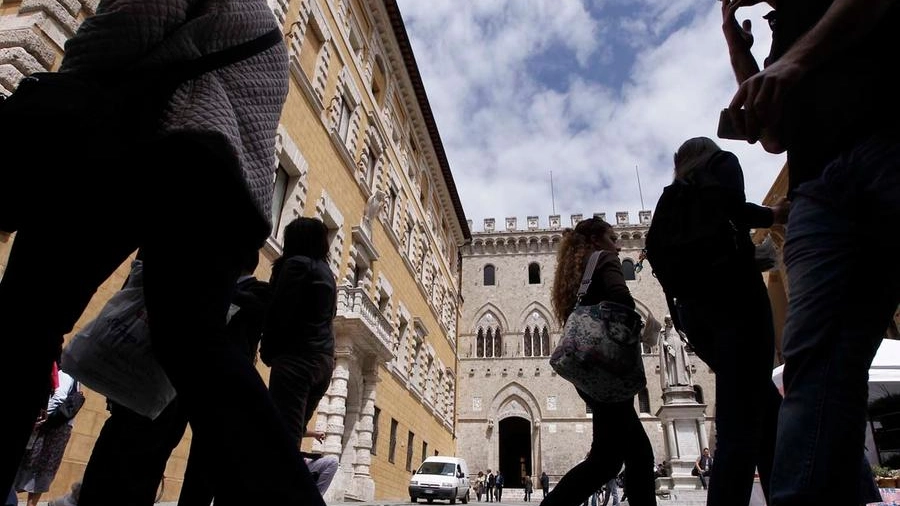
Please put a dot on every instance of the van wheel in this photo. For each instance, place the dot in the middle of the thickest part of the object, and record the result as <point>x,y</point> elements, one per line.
<point>430,500</point>
<point>465,499</point>
<point>453,497</point>
<point>413,499</point>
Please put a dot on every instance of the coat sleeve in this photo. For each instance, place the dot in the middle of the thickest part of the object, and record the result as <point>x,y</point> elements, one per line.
<point>730,177</point>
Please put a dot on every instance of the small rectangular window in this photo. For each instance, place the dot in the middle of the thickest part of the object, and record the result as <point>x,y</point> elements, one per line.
<point>410,439</point>
<point>279,197</point>
<point>424,451</point>
<point>375,417</point>
<point>489,275</point>
<point>393,448</point>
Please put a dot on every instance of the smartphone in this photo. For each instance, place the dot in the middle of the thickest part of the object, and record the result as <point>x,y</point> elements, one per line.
<point>727,129</point>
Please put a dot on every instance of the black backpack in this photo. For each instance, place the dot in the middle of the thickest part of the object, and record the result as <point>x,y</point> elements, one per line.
<point>691,235</point>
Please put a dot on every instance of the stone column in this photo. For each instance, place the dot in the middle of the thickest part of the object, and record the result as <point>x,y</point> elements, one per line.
<point>672,442</point>
<point>337,402</point>
<point>363,485</point>
<point>704,437</point>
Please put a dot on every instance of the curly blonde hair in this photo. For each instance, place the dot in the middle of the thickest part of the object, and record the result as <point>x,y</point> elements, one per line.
<point>574,250</point>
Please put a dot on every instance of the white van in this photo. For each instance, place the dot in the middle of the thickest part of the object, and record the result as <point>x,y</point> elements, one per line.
<point>440,478</point>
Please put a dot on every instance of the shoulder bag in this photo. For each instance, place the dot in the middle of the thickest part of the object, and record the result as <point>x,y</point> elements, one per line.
<point>599,351</point>
<point>113,354</point>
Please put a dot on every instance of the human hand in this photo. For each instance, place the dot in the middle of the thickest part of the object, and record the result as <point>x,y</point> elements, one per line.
<point>737,36</point>
<point>318,435</point>
<point>761,97</point>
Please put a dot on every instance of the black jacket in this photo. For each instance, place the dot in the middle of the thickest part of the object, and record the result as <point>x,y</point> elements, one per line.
<point>302,309</point>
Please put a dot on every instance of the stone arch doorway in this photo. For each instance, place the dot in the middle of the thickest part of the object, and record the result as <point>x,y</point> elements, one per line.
<point>515,450</point>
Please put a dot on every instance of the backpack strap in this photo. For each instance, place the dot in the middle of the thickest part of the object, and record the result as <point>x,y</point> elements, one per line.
<point>588,274</point>
<point>184,71</point>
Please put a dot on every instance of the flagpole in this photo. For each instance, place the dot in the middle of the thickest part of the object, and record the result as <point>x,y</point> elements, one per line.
<point>552,195</point>
<point>640,191</point>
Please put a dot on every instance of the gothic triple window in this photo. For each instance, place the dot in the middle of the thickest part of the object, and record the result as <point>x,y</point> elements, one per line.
<point>536,339</point>
<point>489,340</point>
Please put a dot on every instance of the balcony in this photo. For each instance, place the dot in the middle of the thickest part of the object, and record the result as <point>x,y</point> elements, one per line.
<point>359,321</point>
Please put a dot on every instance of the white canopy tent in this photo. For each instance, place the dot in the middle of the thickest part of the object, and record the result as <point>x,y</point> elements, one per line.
<point>884,379</point>
<point>884,374</point>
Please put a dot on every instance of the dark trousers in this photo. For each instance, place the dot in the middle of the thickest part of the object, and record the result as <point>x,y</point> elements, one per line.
<point>83,227</point>
<point>297,384</point>
<point>490,494</point>
<point>731,330</point>
<point>618,437</point>
<point>130,455</point>
<point>498,491</point>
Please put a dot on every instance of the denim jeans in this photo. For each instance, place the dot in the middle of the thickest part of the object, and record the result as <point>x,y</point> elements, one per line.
<point>729,326</point>
<point>844,279</point>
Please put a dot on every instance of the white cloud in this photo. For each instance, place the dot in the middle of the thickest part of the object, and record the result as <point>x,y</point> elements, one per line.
<point>504,130</point>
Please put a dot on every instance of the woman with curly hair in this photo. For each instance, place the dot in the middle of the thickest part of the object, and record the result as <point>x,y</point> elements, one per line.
<point>618,436</point>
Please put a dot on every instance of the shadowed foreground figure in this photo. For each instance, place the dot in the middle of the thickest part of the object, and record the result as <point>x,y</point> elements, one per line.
<point>210,149</point>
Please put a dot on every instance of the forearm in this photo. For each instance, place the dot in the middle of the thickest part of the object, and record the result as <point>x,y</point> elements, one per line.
<point>743,64</point>
<point>756,216</point>
<point>845,23</point>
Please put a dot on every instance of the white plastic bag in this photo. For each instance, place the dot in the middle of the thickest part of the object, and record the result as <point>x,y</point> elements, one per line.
<point>112,354</point>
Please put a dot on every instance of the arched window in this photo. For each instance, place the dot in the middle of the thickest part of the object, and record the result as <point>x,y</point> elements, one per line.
<point>698,394</point>
<point>644,401</point>
<point>534,273</point>
<point>545,343</point>
<point>536,343</point>
<point>488,275</point>
<point>488,336</point>
<point>628,269</point>
<point>527,343</point>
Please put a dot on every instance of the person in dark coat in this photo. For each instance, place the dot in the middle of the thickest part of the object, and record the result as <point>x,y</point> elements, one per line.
<point>545,483</point>
<point>198,185</point>
<point>298,340</point>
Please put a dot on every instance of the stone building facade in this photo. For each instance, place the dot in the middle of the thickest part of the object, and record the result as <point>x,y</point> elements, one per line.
<point>359,148</point>
<point>514,413</point>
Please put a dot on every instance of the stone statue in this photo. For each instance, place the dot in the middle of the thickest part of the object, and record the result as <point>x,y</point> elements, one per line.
<point>674,362</point>
<point>373,205</point>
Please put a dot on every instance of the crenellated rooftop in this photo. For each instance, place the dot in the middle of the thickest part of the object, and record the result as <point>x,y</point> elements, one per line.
<point>556,222</point>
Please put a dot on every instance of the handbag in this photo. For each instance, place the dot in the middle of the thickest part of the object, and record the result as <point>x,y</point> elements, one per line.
<point>599,351</point>
<point>113,353</point>
<point>107,115</point>
<point>67,409</point>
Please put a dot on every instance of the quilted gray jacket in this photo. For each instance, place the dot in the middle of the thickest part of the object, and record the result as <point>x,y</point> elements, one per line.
<point>239,104</point>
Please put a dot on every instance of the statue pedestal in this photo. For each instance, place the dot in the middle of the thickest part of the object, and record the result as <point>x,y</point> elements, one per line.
<point>684,428</point>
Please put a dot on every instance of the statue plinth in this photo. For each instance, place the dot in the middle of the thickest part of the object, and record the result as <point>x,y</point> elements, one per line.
<point>679,395</point>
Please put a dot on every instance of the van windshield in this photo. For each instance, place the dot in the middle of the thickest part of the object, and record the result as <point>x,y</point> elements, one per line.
<point>442,468</point>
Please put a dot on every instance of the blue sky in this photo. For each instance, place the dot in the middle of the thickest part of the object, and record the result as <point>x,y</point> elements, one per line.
<point>587,89</point>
